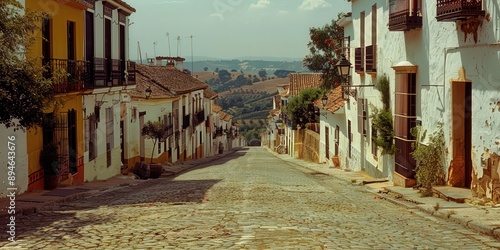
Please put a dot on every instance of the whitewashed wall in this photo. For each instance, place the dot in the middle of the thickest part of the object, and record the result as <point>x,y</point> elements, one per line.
<point>439,49</point>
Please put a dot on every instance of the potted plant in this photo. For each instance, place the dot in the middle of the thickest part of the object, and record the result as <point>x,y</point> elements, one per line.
<point>50,163</point>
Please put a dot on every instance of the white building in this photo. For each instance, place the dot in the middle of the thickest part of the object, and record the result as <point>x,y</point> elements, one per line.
<point>176,99</point>
<point>441,64</point>
<point>106,121</point>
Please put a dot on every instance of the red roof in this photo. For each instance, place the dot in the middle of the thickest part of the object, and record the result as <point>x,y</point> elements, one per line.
<point>302,81</point>
<point>335,100</point>
<point>166,82</point>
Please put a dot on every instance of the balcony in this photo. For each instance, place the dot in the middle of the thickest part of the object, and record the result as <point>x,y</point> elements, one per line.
<point>130,73</point>
<point>169,130</point>
<point>199,118</point>
<point>404,15</point>
<point>453,10</point>
<point>110,73</point>
<point>69,75</point>
<point>117,75</point>
<point>218,132</point>
<point>100,72</point>
<point>371,59</point>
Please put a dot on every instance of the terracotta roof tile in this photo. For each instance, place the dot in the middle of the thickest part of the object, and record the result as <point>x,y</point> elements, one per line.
<point>170,78</point>
<point>216,108</point>
<point>301,81</point>
<point>335,101</point>
<point>125,5</point>
<point>225,116</point>
<point>273,112</point>
<point>209,93</point>
<point>142,83</point>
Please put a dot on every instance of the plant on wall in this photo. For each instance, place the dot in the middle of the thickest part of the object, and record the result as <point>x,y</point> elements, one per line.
<point>429,157</point>
<point>382,118</point>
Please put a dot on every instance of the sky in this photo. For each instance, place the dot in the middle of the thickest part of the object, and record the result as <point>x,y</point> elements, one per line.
<point>227,29</point>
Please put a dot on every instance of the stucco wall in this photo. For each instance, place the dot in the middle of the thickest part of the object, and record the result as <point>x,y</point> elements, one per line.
<point>440,49</point>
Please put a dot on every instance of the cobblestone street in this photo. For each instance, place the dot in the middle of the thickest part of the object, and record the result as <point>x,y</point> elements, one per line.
<point>247,200</point>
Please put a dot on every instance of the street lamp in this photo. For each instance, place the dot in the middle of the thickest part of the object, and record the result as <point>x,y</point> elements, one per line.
<point>344,70</point>
<point>324,100</point>
<point>148,92</point>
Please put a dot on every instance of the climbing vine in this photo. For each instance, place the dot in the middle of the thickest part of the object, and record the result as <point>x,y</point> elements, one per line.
<point>382,118</point>
<point>429,157</point>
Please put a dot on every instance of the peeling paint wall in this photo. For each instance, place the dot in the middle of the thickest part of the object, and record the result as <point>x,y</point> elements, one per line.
<point>439,50</point>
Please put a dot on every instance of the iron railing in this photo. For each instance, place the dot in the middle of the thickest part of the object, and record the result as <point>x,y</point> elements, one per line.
<point>404,15</point>
<point>452,10</point>
<point>69,75</point>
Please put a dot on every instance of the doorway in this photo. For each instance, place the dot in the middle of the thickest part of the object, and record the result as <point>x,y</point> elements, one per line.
<point>462,132</point>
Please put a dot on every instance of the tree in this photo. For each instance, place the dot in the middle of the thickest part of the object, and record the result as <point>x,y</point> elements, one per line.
<point>24,92</point>
<point>262,73</point>
<point>301,108</point>
<point>224,76</point>
<point>325,49</point>
<point>156,131</point>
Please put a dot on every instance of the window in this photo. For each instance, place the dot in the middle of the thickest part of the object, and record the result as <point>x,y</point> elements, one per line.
<point>362,107</point>
<point>371,50</point>
<point>374,145</point>
<point>404,120</point>
<point>92,136</point>
<point>349,135</point>
<point>71,41</point>
<point>109,135</point>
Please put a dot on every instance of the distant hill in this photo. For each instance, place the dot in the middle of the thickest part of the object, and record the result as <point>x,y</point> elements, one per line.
<point>245,65</point>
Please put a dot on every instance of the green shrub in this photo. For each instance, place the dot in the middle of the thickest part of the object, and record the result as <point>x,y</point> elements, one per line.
<point>430,158</point>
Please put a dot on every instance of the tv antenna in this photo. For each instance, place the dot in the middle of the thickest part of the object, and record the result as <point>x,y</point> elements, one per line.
<point>168,40</point>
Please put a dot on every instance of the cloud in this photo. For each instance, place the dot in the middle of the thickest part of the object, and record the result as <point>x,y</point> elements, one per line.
<point>313,4</point>
<point>216,15</point>
<point>260,4</point>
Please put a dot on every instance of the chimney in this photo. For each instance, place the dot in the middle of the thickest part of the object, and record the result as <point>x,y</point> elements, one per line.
<point>151,62</point>
<point>179,63</point>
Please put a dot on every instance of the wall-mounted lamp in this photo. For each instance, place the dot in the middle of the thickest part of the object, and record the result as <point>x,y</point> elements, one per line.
<point>148,92</point>
<point>324,100</point>
<point>344,70</point>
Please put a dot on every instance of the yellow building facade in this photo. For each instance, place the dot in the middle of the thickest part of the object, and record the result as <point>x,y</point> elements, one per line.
<point>60,45</point>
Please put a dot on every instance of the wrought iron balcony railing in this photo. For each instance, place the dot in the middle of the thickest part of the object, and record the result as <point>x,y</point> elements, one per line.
<point>404,15</point>
<point>69,75</point>
<point>199,118</point>
<point>453,10</point>
<point>130,73</point>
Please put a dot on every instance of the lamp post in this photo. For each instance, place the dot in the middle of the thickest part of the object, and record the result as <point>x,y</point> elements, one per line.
<point>148,92</point>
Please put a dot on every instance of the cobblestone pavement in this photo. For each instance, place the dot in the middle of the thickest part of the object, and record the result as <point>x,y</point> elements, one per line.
<point>248,200</point>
